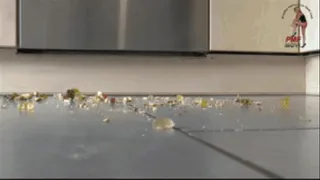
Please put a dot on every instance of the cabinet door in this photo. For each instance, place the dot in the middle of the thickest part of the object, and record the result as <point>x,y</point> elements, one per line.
<point>32,23</point>
<point>102,24</point>
<point>167,25</point>
<point>69,24</point>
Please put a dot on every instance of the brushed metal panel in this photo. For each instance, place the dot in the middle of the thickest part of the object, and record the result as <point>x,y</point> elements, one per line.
<point>32,24</point>
<point>69,24</point>
<point>167,25</point>
<point>143,25</point>
<point>102,16</point>
<point>66,25</point>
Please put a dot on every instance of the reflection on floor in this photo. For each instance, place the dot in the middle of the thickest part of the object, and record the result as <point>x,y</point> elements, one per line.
<point>219,139</point>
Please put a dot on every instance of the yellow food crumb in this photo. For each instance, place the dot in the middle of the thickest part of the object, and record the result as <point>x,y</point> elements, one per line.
<point>204,104</point>
<point>26,106</point>
<point>161,124</point>
<point>180,98</point>
<point>285,102</point>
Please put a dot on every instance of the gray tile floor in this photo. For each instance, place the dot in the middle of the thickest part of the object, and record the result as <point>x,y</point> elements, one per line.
<point>229,142</point>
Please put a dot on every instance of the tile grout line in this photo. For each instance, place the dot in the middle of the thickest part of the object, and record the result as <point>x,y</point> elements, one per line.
<point>234,157</point>
<point>252,130</point>
<point>249,164</point>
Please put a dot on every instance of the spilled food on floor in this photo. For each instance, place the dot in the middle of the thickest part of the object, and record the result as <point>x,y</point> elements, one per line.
<point>26,102</point>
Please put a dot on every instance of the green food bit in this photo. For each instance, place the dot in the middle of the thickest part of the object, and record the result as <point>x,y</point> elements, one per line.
<point>12,96</point>
<point>246,101</point>
<point>76,91</point>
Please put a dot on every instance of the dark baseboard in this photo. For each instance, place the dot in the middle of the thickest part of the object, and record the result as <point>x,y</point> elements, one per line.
<point>110,52</point>
<point>7,47</point>
<point>311,53</point>
<point>254,53</point>
<point>163,53</point>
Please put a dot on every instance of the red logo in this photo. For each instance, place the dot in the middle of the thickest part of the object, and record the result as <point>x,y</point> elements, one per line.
<point>293,39</point>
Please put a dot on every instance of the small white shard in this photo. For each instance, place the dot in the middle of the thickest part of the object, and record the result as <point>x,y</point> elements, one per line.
<point>140,111</point>
<point>26,96</point>
<point>258,103</point>
<point>66,101</point>
<point>3,106</point>
<point>125,100</point>
<point>129,99</point>
<point>99,93</point>
<point>59,96</point>
<point>154,109</point>
<point>106,120</point>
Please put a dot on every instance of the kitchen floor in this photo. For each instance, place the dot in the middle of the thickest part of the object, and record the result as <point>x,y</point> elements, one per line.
<point>211,138</point>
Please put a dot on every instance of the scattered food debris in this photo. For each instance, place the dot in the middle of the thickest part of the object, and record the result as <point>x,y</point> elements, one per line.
<point>75,99</point>
<point>244,102</point>
<point>304,119</point>
<point>204,104</point>
<point>83,105</point>
<point>11,97</point>
<point>3,106</point>
<point>154,108</point>
<point>258,103</point>
<point>26,106</point>
<point>180,99</point>
<point>40,97</point>
<point>113,100</point>
<point>162,124</point>
<point>106,120</point>
<point>285,102</point>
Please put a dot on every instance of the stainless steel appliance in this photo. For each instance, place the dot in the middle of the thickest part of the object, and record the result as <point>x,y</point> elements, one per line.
<point>125,25</point>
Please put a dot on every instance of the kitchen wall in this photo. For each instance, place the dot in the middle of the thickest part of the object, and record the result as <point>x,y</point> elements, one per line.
<point>222,74</point>
<point>135,74</point>
<point>312,75</point>
<point>312,36</point>
<point>7,23</point>
<point>312,31</point>
<point>250,25</point>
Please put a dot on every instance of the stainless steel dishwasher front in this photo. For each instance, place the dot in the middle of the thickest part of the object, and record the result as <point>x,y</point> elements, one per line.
<point>126,25</point>
<point>68,24</point>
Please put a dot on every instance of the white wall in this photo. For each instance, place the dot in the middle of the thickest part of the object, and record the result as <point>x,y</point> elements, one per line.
<point>312,75</point>
<point>250,25</point>
<point>223,74</point>
<point>7,23</point>
<point>123,74</point>
<point>312,32</point>
<point>312,63</point>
